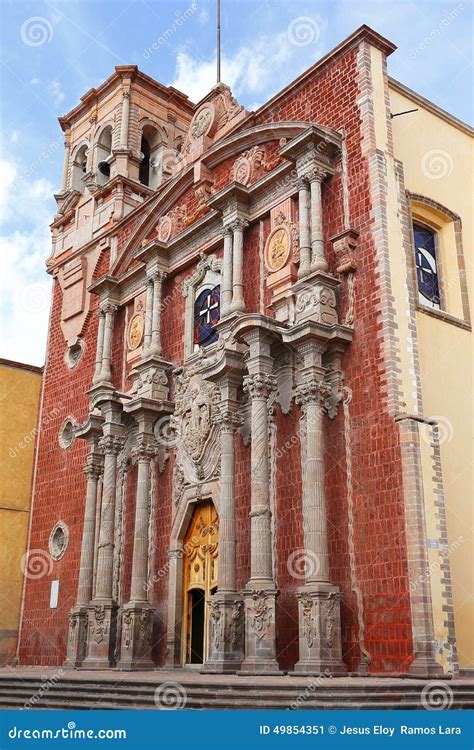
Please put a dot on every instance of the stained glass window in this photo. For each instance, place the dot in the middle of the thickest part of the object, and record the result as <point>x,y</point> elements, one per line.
<point>426,266</point>
<point>207,309</point>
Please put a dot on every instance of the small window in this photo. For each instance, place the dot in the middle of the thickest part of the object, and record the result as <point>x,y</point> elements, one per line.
<point>206,314</point>
<point>426,266</point>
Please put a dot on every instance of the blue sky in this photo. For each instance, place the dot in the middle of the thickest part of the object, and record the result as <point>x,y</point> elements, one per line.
<point>53,52</point>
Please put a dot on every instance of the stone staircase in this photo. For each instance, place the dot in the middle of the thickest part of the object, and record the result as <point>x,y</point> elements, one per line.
<point>119,690</point>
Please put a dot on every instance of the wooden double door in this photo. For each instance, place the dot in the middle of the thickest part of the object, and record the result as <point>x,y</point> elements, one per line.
<point>201,548</point>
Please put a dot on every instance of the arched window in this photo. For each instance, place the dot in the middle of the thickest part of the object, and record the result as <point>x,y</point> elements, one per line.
<point>79,167</point>
<point>151,146</point>
<point>202,292</point>
<point>104,155</point>
<point>207,309</point>
<point>426,266</point>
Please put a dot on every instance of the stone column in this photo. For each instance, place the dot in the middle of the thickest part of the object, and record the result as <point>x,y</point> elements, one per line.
<point>318,599</point>
<point>137,617</point>
<point>103,609</point>
<point>155,345</point>
<point>238,304</point>
<point>226,293</point>
<point>67,151</point>
<point>100,346</point>
<point>227,606</point>
<point>260,593</point>
<point>77,635</point>
<point>304,227</point>
<point>125,119</point>
<point>148,315</point>
<point>175,608</point>
<point>106,369</point>
<point>318,257</point>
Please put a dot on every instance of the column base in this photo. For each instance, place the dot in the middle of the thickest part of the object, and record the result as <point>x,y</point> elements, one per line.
<point>226,637</point>
<point>77,638</point>
<point>101,635</point>
<point>260,632</point>
<point>425,667</point>
<point>136,637</point>
<point>320,631</point>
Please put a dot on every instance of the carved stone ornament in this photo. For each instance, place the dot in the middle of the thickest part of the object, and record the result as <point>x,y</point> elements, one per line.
<point>345,249</point>
<point>259,614</point>
<point>202,121</point>
<point>172,223</point>
<point>309,622</point>
<point>135,331</point>
<point>277,248</point>
<point>248,163</point>
<point>196,434</point>
<point>98,624</point>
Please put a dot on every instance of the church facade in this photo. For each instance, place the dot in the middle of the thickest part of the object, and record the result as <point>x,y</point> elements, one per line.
<point>240,473</point>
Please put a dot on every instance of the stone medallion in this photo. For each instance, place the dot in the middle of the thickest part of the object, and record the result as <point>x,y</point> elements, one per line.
<point>277,249</point>
<point>135,331</point>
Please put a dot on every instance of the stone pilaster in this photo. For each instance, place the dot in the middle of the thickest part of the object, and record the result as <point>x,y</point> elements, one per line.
<point>226,606</point>
<point>109,311</point>
<point>124,124</point>
<point>260,594</point>
<point>137,616</point>
<point>318,257</point>
<point>148,315</point>
<point>155,343</point>
<point>78,619</point>
<point>304,227</point>
<point>238,303</point>
<point>102,611</point>
<point>99,346</point>
<point>318,599</point>
<point>226,294</point>
<point>67,151</point>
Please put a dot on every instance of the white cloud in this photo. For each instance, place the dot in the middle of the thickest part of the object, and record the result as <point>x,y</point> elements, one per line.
<point>54,89</point>
<point>25,288</point>
<point>261,68</point>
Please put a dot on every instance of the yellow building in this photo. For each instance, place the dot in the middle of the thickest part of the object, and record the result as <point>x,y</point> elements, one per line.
<point>20,390</point>
<point>436,153</point>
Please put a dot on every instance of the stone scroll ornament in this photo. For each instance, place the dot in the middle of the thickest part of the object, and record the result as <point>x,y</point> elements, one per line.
<point>251,164</point>
<point>345,249</point>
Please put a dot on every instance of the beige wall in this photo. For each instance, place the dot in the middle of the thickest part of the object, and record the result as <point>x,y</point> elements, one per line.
<point>19,402</point>
<point>437,163</point>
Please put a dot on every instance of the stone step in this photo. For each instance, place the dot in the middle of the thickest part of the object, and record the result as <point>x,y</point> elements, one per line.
<point>75,694</point>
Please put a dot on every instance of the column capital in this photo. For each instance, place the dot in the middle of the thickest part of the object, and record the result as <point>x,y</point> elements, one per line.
<point>226,230</point>
<point>144,451</point>
<point>229,421</point>
<point>317,174</point>
<point>109,308</point>
<point>239,223</point>
<point>156,275</point>
<point>93,469</point>
<point>259,385</point>
<point>111,444</point>
<point>314,391</point>
<point>301,183</point>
